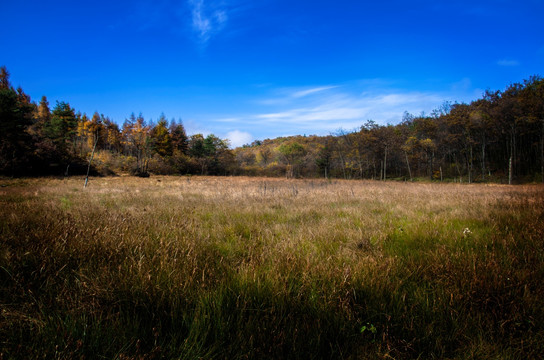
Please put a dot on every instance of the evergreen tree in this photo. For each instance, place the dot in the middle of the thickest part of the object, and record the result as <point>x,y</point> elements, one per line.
<point>15,117</point>
<point>161,138</point>
<point>62,127</point>
<point>179,137</point>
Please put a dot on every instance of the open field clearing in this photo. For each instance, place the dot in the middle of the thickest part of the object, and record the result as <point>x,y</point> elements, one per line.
<point>204,267</point>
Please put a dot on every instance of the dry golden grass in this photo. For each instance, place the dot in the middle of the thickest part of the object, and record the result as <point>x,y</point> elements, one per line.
<point>188,267</point>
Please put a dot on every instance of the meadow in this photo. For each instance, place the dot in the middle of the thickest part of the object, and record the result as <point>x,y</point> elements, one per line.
<point>257,268</point>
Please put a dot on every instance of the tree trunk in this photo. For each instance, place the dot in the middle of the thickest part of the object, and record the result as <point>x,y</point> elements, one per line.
<point>343,164</point>
<point>512,160</point>
<point>385,164</point>
<point>289,171</point>
<point>139,160</point>
<point>483,158</point>
<point>458,170</point>
<point>408,164</point>
<point>360,163</point>
<point>90,162</point>
<point>510,171</point>
<point>470,167</point>
<point>431,164</point>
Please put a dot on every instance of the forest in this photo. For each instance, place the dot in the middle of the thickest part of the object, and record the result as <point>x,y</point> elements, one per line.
<point>497,138</point>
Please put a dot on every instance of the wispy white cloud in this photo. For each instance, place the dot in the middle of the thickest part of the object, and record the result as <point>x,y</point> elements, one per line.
<point>207,19</point>
<point>303,93</point>
<point>345,109</point>
<point>508,62</point>
<point>286,95</point>
<point>328,108</point>
<point>229,120</point>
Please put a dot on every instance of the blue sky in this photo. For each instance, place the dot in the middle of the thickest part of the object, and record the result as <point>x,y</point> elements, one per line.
<point>247,70</point>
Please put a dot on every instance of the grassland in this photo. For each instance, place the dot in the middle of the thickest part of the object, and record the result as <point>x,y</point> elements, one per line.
<point>237,268</point>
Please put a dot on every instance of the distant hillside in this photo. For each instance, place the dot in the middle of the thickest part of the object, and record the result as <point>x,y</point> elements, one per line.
<point>499,137</point>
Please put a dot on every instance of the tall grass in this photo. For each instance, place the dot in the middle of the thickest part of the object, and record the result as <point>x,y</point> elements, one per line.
<point>184,268</point>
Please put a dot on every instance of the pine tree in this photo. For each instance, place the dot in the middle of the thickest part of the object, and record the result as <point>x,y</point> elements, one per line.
<point>161,138</point>
<point>62,127</point>
<point>15,117</point>
<point>180,141</point>
<point>4,78</point>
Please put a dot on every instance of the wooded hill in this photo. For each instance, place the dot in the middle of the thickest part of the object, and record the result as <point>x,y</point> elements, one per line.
<point>499,137</point>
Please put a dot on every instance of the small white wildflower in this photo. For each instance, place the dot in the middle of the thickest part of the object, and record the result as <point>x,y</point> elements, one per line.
<point>467,232</point>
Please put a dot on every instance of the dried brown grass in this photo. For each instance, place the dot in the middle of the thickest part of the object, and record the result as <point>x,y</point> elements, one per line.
<point>263,267</point>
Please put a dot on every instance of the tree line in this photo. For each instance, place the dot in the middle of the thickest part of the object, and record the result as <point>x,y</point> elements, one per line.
<point>38,140</point>
<point>499,137</point>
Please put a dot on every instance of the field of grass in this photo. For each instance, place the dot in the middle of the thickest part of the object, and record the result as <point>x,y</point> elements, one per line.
<point>238,268</point>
